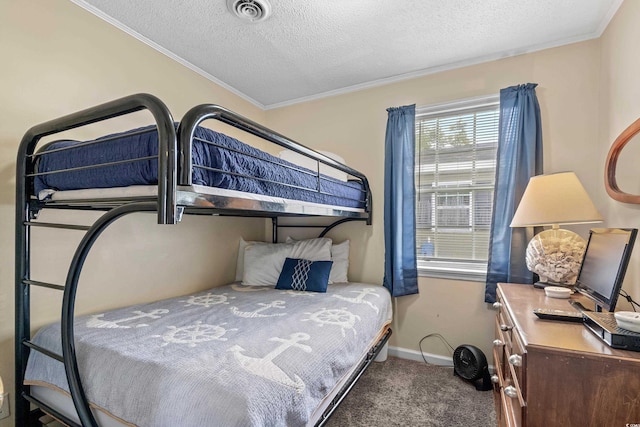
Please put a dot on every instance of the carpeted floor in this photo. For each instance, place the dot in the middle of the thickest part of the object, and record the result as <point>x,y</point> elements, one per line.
<point>400,392</point>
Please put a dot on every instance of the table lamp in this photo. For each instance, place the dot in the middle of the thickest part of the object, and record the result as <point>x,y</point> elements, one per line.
<point>552,200</point>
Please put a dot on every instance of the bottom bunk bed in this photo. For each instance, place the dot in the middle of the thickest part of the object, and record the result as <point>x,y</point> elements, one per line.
<point>234,355</point>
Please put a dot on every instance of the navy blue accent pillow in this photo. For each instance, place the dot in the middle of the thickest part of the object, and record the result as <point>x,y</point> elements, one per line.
<point>304,275</point>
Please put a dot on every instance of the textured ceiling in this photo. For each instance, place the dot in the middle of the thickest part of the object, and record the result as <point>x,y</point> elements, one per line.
<point>312,48</point>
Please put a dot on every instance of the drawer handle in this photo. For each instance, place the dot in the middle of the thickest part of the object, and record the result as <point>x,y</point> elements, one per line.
<point>497,343</point>
<point>497,305</point>
<point>495,379</point>
<point>515,360</point>
<point>511,391</point>
<point>505,328</point>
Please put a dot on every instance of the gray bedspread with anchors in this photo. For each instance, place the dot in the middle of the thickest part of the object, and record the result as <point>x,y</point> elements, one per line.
<point>230,356</point>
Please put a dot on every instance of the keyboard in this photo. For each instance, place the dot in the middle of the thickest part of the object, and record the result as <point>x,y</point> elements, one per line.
<point>608,320</point>
<point>605,327</point>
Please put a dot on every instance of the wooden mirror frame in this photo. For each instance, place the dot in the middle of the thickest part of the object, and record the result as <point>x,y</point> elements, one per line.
<point>610,166</point>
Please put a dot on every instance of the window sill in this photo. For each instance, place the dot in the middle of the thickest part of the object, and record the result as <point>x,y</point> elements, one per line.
<point>453,274</point>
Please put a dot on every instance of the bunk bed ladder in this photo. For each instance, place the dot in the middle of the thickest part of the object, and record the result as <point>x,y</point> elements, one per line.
<point>68,357</point>
<point>22,311</point>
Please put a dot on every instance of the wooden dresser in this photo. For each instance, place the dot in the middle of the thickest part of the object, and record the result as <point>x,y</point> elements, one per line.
<point>551,373</point>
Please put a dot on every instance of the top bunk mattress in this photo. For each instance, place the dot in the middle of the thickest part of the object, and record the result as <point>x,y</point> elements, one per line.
<point>129,158</point>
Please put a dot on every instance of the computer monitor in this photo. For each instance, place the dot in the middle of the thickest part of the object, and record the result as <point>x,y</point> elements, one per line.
<point>604,265</point>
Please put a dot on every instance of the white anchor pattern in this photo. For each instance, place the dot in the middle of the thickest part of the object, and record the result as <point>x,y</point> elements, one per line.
<point>265,368</point>
<point>360,299</point>
<point>97,321</point>
<point>258,312</point>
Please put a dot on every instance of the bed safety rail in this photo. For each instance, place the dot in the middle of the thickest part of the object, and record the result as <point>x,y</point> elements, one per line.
<point>198,114</point>
<point>167,148</point>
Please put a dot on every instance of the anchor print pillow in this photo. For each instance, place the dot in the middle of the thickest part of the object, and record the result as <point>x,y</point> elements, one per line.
<point>304,275</point>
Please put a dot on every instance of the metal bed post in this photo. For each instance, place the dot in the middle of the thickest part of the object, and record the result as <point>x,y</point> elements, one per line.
<point>274,229</point>
<point>22,302</point>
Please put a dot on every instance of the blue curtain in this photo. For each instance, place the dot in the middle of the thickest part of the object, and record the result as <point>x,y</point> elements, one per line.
<point>519,158</point>
<point>400,267</point>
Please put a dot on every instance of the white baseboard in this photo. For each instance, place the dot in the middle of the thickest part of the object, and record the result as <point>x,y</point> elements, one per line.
<point>434,359</point>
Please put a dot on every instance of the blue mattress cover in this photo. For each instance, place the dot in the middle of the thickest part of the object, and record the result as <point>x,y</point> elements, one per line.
<point>143,142</point>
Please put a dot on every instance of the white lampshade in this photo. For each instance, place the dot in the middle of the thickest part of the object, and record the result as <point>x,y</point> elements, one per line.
<point>555,255</point>
<point>555,199</point>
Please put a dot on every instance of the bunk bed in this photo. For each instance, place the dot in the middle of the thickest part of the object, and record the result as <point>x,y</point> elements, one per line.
<point>175,169</point>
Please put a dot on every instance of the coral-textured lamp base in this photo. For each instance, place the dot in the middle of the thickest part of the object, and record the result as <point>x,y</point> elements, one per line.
<point>555,255</point>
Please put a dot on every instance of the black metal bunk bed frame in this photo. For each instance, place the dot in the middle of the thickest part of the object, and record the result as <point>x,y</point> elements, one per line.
<point>172,200</point>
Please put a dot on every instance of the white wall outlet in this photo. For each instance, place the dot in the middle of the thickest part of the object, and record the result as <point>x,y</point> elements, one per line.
<point>4,409</point>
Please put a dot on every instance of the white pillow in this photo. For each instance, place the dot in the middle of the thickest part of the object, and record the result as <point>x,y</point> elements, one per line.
<point>263,262</point>
<point>240,260</point>
<point>306,162</point>
<point>340,258</point>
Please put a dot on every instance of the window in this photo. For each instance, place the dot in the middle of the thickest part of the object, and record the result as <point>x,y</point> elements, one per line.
<point>456,145</point>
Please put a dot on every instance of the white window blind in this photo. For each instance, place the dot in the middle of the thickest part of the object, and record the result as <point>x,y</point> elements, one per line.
<point>456,147</point>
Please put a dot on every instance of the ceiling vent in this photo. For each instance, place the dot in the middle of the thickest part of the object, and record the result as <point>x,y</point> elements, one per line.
<point>250,10</point>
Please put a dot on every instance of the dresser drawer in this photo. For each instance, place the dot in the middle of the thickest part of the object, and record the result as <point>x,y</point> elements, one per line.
<point>512,412</point>
<point>498,350</point>
<point>515,360</point>
<point>509,359</point>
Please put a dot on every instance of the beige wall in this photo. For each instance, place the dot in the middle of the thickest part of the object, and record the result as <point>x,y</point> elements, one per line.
<point>58,58</point>
<point>620,106</point>
<point>353,125</point>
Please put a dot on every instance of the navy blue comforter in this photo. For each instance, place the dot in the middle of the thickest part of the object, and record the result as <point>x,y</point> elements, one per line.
<point>225,155</point>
